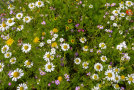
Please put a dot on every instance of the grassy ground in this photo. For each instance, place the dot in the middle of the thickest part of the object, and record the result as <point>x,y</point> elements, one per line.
<point>63,15</point>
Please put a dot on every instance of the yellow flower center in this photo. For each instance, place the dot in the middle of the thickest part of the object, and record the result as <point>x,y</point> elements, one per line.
<point>65,47</point>
<point>55,30</point>
<point>103,58</point>
<point>10,21</point>
<point>19,15</point>
<point>26,19</point>
<point>116,78</point>
<point>86,47</point>
<point>21,88</point>
<point>4,49</point>
<point>83,39</point>
<point>116,70</point>
<point>102,45</point>
<point>116,86</point>
<point>85,65</point>
<point>19,27</point>
<point>12,60</point>
<point>8,54</point>
<point>95,76</point>
<point>28,63</point>
<point>116,11</point>
<point>4,25</point>
<point>98,66</point>
<point>77,60</point>
<point>49,66</point>
<point>130,79</point>
<point>25,47</point>
<point>16,74</point>
<point>39,3</point>
<point>110,75</point>
<point>129,3</point>
<point>48,55</point>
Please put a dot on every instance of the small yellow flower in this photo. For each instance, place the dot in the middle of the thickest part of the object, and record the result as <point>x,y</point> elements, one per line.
<point>67,27</point>
<point>9,41</point>
<point>36,40</point>
<point>55,18</point>
<point>72,40</point>
<point>69,20</point>
<point>55,30</point>
<point>43,33</point>
<point>60,78</point>
<point>54,44</point>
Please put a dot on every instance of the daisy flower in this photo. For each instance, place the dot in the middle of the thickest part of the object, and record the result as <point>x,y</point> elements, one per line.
<point>102,45</point>
<point>109,67</point>
<point>77,60</point>
<point>85,48</point>
<point>117,78</point>
<point>1,67</point>
<point>41,44</point>
<point>65,46</point>
<point>116,86</point>
<point>4,49</point>
<point>47,56</point>
<point>7,54</point>
<point>20,27</point>
<point>13,60</point>
<point>95,76</point>
<point>10,21</point>
<point>27,19</point>
<point>28,63</point>
<point>83,40</point>
<point>19,16</point>
<point>85,65</point>
<point>31,5</point>
<point>39,4</point>
<point>49,67</point>
<point>26,48</point>
<point>11,7</point>
<point>129,3</point>
<point>49,41</point>
<point>61,40</point>
<point>17,74</point>
<point>98,67</point>
<point>122,14</point>
<point>9,42</point>
<point>22,86</point>
<point>109,75</point>
<point>115,12</point>
<point>116,70</point>
<point>103,58</point>
<point>4,26</point>
<point>130,78</point>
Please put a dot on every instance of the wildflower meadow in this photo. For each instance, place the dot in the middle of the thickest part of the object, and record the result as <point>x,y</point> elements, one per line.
<point>66,45</point>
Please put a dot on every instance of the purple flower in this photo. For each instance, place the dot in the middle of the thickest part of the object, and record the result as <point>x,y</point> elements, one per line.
<point>110,63</point>
<point>57,82</point>
<point>91,50</point>
<point>77,88</point>
<point>43,23</point>
<point>77,25</point>
<point>9,74</point>
<point>122,88</point>
<point>88,74</point>
<point>49,84</point>
<point>11,12</point>
<point>42,73</point>
<point>9,83</point>
<point>76,54</point>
